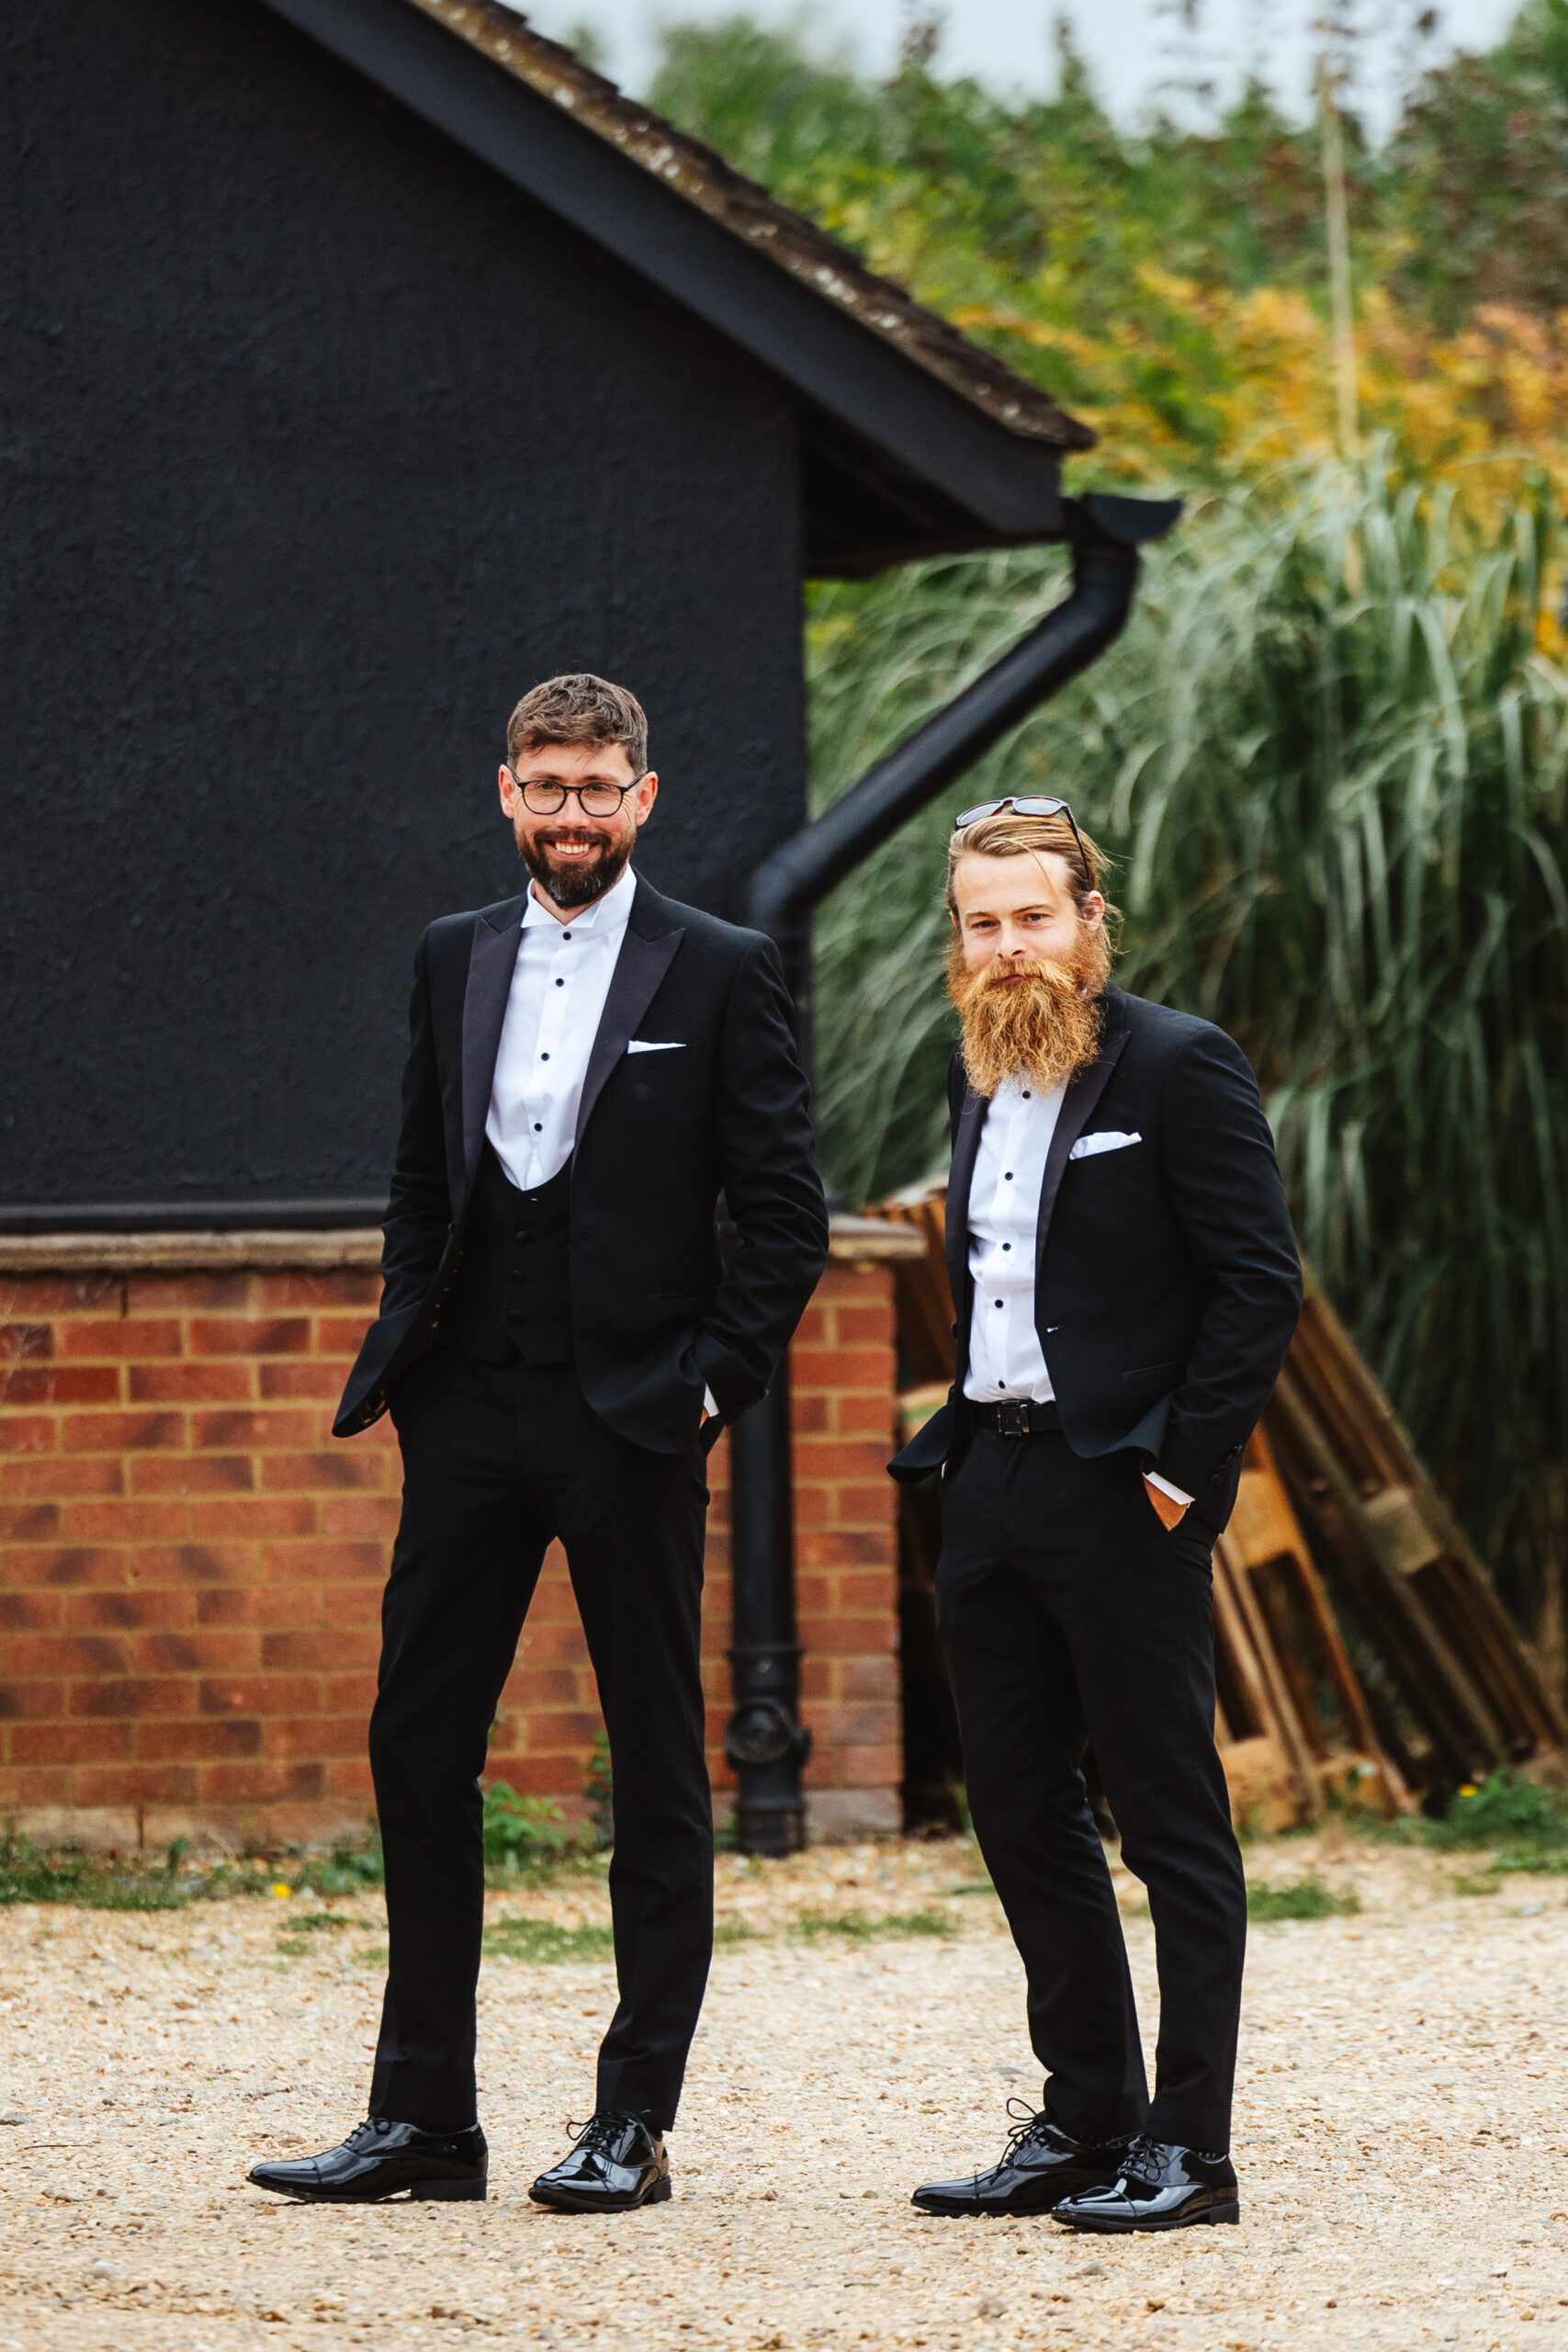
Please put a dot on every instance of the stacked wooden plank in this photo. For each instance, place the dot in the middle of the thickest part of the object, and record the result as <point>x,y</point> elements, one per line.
<point>1362,1656</point>
<point>1451,1688</point>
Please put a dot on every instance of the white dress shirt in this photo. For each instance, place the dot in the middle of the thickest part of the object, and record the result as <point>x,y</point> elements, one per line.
<point>1005,1355</point>
<point>559,985</point>
<point>1005,1359</point>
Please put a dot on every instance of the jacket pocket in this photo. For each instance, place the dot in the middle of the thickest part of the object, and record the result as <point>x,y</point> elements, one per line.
<point>1143,1371</point>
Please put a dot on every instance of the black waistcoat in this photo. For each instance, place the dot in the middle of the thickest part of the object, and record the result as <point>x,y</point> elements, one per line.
<point>512,1291</point>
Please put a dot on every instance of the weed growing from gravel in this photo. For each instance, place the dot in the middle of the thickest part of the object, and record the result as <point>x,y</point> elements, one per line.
<point>858,1927</point>
<point>112,1881</point>
<point>544,1939</point>
<point>1476,1882</point>
<point>1304,1898</point>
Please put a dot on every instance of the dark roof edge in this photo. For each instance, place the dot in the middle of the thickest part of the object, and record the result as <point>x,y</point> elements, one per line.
<point>1006,480</point>
<point>829,270</point>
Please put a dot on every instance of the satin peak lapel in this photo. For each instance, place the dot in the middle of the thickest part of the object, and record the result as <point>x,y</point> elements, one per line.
<point>1078,1103</point>
<point>491,962</point>
<point>639,968</point>
<point>961,1176</point>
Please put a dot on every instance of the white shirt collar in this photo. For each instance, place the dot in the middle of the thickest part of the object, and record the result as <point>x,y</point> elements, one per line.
<point>607,916</point>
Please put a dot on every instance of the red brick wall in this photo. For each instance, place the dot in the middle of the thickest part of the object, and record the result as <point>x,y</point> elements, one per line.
<point>190,1567</point>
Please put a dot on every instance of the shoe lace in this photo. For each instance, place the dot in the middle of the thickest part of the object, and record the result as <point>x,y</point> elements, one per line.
<point>1028,2123</point>
<point>599,2135</point>
<point>373,2128</point>
<point>1142,2161</point>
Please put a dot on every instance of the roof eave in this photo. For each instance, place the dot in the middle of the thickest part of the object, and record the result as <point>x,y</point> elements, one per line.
<point>1006,482</point>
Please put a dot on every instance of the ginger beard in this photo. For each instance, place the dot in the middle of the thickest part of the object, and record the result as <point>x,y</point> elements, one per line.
<point>1040,1021</point>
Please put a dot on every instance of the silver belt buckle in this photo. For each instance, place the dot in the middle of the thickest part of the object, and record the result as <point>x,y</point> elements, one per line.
<point>1012,1418</point>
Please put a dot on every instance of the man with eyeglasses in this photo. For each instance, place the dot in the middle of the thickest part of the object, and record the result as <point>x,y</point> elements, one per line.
<point>1126,1285</point>
<point>560,1345</point>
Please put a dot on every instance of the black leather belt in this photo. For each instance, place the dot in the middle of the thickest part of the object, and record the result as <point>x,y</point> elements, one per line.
<point>1014,1417</point>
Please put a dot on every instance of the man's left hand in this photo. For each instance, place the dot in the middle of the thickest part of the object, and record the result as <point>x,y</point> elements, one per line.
<point>1171,1512</point>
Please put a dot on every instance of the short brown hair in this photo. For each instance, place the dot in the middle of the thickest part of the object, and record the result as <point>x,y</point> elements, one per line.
<point>580,708</point>
<point>1007,834</point>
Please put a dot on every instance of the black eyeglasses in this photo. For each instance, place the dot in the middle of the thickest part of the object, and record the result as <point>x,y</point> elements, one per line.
<point>1023,806</point>
<point>594,800</point>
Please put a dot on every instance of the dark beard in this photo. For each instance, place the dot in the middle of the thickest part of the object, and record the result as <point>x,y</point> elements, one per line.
<point>1045,1026</point>
<point>580,885</point>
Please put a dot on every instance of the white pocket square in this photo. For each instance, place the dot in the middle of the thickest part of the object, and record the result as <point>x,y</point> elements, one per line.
<point>642,1045</point>
<point>1108,1139</point>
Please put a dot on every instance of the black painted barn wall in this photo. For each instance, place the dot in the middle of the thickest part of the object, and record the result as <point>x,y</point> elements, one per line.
<point>318,445</point>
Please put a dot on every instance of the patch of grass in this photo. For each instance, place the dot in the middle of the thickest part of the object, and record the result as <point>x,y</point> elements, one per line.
<point>1304,1898</point>
<point>971,1886</point>
<point>1475,1883</point>
<point>66,1873</point>
<point>858,1927</point>
<point>373,1956</point>
<point>543,1941</point>
<point>318,1923</point>
<point>726,1933</point>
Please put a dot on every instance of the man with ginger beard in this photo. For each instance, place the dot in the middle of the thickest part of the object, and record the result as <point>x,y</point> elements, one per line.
<point>559,1344</point>
<point>1126,1284</point>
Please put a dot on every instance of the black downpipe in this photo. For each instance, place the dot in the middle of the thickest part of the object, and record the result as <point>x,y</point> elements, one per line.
<point>766,1742</point>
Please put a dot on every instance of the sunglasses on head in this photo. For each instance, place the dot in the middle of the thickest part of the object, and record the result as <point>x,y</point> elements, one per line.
<point>1024,806</point>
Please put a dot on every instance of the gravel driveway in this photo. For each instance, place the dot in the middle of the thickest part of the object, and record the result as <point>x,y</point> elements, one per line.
<point>1401,2134</point>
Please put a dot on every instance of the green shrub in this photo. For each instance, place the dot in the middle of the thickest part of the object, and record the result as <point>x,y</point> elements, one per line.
<point>1506,1812</point>
<point>1305,1898</point>
<point>522,1833</point>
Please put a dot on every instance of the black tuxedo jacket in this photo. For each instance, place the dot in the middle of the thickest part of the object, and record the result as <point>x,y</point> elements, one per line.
<point>1168,1283</point>
<point>655,1316</point>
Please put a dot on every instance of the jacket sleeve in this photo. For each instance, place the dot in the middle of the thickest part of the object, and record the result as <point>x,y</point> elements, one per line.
<point>768,1170</point>
<point>1224,1180</point>
<point>419,1214</point>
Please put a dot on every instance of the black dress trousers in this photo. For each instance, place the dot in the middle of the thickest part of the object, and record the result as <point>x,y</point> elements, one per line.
<point>497,1460</point>
<point>1068,1616</point>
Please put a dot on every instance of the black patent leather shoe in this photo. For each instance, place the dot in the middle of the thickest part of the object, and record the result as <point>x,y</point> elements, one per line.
<point>1160,2187</point>
<point>380,2159</point>
<point>615,2163</point>
<point>1040,2166</point>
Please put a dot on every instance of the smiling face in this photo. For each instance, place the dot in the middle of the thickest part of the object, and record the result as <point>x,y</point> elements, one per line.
<point>1019,911</point>
<point>574,856</point>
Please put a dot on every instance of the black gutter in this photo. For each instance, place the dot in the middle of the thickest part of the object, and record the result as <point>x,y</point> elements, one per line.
<point>765,1742</point>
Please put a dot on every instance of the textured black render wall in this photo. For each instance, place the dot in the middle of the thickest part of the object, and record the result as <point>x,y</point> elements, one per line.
<point>316,448</point>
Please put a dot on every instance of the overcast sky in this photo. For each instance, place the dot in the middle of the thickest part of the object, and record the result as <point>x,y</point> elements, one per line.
<point>1138,48</point>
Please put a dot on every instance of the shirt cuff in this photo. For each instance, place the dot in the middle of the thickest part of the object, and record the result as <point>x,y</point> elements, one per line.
<point>1166,1488</point>
<point>710,1402</point>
